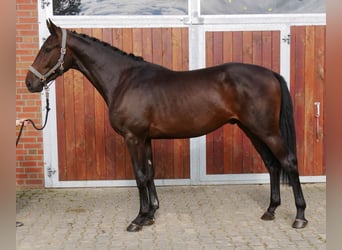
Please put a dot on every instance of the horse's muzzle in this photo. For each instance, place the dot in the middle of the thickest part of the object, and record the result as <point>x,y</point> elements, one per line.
<point>32,87</point>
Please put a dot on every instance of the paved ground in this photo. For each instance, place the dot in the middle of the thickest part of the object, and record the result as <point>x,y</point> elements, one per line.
<point>199,217</point>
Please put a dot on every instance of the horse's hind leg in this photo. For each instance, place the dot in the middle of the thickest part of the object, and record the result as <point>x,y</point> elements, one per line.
<point>273,167</point>
<point>288,162</point>
<point>275,193</point>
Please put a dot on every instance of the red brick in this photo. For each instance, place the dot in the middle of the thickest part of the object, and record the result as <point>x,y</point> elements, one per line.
<point>28,164</point>
<point>20,182</point>
<point>26,2</point>
<point>19,170</point>
<point>37,182</point>
<point>21,176</point>
<point>26,7</point>
<point>33,158</point>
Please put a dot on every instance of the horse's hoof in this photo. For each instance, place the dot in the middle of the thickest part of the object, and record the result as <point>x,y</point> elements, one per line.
<point>134,227</point>
<point>299,223</point>
<point>148,222</point>
<point>267,216</point>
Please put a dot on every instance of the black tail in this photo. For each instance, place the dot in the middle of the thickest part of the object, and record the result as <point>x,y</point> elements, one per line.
<point>287,126</point>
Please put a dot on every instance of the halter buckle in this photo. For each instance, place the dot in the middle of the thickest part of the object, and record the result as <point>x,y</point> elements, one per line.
<point>43,79</point>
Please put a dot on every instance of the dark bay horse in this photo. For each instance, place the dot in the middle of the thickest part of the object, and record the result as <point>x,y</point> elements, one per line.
<point>147,101</point>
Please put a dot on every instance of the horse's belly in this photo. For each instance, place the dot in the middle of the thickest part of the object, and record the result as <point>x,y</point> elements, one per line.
<point>186,126</point>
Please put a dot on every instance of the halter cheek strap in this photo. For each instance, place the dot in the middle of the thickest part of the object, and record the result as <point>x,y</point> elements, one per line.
<point>59,63</point>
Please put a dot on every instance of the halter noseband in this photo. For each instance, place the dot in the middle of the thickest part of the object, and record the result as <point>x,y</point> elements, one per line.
<point>58,64</point>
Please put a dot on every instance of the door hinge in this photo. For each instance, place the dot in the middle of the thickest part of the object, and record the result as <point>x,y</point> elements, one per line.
<point>50,172</point>
<point>287,39</point>
<point>45,3</point>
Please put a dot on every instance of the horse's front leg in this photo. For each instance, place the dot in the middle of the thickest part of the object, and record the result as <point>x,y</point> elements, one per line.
<point>152,192</point>
<point>138,148</point>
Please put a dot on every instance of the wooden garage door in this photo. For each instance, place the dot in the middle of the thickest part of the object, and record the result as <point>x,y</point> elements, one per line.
<point>307,88</point>
<point>229,151</point>
<point>88,148</point>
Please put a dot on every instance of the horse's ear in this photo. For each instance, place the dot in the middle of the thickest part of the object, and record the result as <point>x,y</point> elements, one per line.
<point>52,27</point>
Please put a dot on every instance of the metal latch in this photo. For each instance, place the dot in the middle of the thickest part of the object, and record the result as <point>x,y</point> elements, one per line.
<point>45,3</point>
<point>287,39</point>
<point>50,172</point>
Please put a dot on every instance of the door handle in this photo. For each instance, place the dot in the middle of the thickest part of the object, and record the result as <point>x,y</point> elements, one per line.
<point>317,116</point>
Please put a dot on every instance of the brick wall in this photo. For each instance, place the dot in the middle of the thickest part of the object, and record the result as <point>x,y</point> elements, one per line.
<point>29,153</point>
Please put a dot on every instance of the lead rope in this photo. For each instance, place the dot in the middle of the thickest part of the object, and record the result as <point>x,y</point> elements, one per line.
<point>32,122</point>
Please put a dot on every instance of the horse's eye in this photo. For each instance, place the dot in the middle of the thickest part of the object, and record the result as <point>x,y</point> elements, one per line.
<point>47,50</point>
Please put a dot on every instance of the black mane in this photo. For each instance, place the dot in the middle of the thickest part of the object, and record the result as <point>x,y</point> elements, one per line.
<point>105,44</point>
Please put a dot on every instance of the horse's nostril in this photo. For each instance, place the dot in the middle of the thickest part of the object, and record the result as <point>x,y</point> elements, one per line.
<point>28,84</point>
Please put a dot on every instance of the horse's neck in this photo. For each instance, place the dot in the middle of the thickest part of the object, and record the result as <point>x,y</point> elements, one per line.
<point>101,65</point>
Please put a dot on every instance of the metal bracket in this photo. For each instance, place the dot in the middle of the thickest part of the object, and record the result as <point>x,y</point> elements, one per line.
<point>287,39</point>
<point>193,19</point>
<point>50,172</point>
<point>45,3</point>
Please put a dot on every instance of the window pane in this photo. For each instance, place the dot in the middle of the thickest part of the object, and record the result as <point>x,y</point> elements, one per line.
<point>230,7</point>
<point>120,7</point>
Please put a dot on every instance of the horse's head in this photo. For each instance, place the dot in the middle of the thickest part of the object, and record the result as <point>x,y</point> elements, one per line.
<point>52,60</point>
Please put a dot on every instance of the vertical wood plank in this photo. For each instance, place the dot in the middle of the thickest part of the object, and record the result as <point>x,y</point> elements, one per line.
<point>157,46</point>
<point>309,125</point>
<point>137,41</point>
<point>60,113</point>
<point>276,51</point>
<point>69,126</point>
<point>176,34</point>
<point>185,49</point>
<point>127,37</point>
<point>319,168</point>
<point>147,44</point>
<point>257,48</point>
<point>166,47</point>
<point>80,152</point>
<point>267,49</point>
